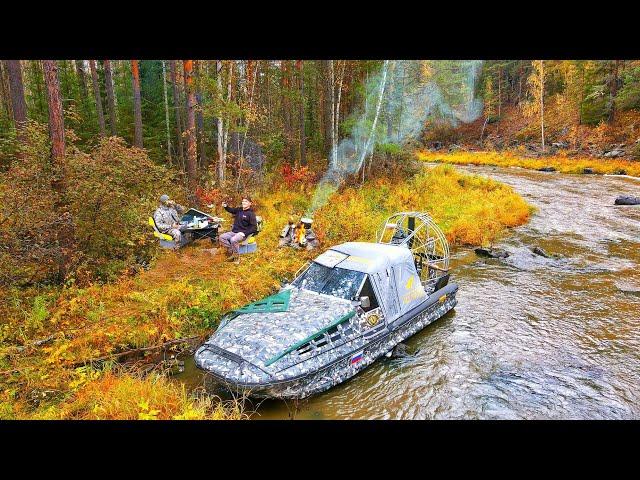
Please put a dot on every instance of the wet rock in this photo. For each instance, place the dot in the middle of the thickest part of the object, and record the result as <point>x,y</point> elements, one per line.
<point>547,169</point>
<point>543,253</point>
<point>588,170</point>
<point>560,145</point>
<point>619,171</point>
<point>614,154</point>
<point>627,200</point>
<point>491,252</point>
<point>628,289</point>
<point>540,251</point>
<point>401,351</point>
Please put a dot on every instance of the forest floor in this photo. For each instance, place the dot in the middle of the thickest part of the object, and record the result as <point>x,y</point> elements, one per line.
<point>560,162</point>
<point>67,353</point>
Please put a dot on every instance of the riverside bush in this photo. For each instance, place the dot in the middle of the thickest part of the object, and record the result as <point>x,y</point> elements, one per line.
<point>112,190</point>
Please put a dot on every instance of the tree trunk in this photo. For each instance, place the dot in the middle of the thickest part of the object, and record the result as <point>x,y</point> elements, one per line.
<point>191,127</point>
<point>82,78</point>
<point>542,79</point>
<point>56,119</point>
<point>222,145</point>
<point>613,91</point>
<point>499,91</point>
<point>96,93</point>
<point>176,106</point>
<point>327,100</point>
<point>303,145</point>
<point>200,136</point>
<point>16,88</point>
<point>338,96</point>
<point>251,72</point>
<point>111,104</point>
<point>4,90</point>
<point>137,104</point>
<point>64,228</point>
<point>166,109</point>
<point>334,145</point>
<point>286,107</point>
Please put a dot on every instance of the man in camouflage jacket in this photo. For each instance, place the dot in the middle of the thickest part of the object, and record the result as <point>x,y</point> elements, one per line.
<point>167,218</point>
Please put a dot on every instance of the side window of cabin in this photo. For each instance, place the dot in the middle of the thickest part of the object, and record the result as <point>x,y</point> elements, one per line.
<point>367,291</point>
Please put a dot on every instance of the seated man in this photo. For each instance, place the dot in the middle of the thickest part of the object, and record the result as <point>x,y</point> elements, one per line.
<point>244,224</point>
<point>167,218</point>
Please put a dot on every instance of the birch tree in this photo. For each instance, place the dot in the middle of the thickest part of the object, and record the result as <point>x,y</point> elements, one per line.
<point>98,97</point>
<point>303,146</point>
<point>222,140</point>
<point>108,80</point>
<point>535,106</point>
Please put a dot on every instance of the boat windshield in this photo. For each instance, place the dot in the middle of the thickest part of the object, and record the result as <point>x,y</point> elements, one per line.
<point>338,282</point>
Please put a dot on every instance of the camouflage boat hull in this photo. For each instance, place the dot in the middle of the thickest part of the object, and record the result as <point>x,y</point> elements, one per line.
<point>337,365</point>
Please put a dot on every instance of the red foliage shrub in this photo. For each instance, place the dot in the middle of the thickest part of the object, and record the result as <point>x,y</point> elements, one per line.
<point>213,196</point>
<point>296,175</point>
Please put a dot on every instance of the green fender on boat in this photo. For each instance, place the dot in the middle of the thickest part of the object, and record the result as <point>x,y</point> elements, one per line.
<point>296,345</point>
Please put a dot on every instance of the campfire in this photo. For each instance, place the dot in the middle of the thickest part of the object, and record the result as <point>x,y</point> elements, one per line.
<point>299,234</point>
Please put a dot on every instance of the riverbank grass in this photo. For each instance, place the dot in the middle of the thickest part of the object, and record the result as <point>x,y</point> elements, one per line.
<point>184,294</point>
<point>562,163</point>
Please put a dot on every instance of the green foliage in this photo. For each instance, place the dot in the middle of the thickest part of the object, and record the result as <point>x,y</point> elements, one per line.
<point>273,145</point>
<point>629,95</point>
<point>113,189</point>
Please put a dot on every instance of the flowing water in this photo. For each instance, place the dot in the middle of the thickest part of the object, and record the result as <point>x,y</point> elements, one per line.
<point>531,337</point>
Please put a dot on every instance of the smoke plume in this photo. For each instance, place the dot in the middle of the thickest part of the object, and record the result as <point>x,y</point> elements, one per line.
<point>399,99</point>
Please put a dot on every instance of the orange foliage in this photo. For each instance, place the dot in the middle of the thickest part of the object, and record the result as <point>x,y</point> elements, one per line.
<point>296,176</point>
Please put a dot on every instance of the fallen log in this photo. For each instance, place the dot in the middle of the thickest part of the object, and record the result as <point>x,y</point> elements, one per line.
<point>136,351</point>
<point>117,356</point>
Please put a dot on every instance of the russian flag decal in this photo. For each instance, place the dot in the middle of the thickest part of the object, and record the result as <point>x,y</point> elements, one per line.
<point>356,358</point>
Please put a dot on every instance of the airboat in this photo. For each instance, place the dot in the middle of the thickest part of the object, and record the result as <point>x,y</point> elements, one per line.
<point>344,310</point>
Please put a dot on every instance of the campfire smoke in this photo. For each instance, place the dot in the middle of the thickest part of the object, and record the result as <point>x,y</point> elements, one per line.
<point>405,94</point>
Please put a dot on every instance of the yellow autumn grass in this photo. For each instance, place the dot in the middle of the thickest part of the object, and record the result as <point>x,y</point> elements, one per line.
<point>126,395</point>
<point>471,209</point>
<point>561,162</point>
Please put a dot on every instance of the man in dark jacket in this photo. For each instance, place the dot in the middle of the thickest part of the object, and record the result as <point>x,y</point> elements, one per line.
<point>244,224</point>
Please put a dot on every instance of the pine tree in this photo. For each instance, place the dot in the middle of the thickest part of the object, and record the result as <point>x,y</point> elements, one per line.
<point>191,127</point>
<point>137,104</point>
<point>18,104</point>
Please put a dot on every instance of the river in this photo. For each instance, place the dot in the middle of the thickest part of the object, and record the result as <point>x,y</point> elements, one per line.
<point>531,337</point>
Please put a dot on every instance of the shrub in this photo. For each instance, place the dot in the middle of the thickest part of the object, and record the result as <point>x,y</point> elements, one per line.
<point>111,191</point>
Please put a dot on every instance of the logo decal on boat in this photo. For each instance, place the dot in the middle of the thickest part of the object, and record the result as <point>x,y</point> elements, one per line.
<point>373,319</point>
<point>356,358</point>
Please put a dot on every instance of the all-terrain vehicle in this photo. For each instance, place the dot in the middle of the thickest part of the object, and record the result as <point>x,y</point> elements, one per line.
<point>350,306</point>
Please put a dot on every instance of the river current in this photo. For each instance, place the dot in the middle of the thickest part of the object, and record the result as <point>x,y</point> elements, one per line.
<point>531,337</point>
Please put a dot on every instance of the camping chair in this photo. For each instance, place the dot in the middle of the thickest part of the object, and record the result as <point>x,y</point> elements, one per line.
<point>166,240</point>
<point>249,245</point>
